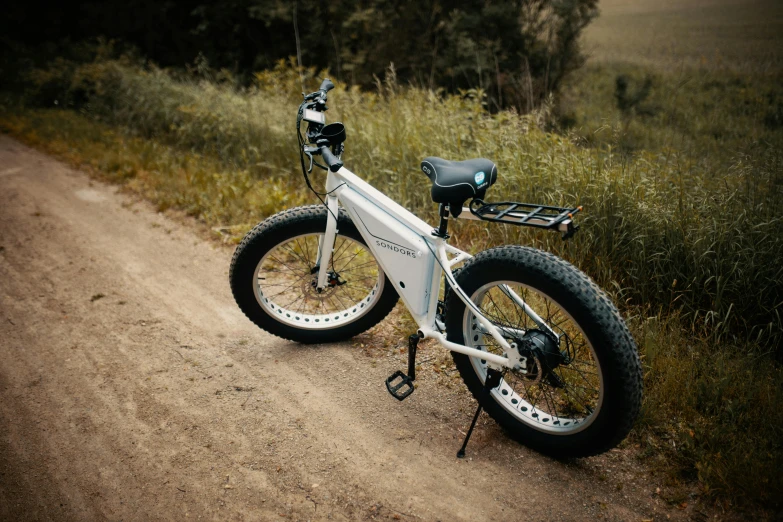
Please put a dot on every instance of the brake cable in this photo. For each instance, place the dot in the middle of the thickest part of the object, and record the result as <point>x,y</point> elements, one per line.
<point>305,170</point>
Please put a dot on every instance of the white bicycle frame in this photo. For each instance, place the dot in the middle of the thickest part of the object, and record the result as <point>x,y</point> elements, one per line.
<point>413,260</point>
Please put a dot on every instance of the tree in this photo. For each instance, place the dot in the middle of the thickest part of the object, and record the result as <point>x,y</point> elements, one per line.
<point>516,51</point>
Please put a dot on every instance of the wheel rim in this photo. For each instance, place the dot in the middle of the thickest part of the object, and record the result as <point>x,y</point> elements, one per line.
<point>284,283</point>
<point>562,405</point>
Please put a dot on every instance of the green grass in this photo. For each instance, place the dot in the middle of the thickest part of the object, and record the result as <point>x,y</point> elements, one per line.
<point>664,227</point>
<point>714,117</point>
<point>687,242</point>
<point>199,185</point>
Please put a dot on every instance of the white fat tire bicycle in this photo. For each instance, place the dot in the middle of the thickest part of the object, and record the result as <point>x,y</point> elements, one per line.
<point>564,372</point>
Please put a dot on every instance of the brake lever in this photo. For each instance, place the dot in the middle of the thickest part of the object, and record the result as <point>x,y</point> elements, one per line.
<point>309,155</point>
<point>309,151</point>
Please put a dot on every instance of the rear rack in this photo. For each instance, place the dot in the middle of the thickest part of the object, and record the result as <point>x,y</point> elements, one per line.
<point>524,214</point>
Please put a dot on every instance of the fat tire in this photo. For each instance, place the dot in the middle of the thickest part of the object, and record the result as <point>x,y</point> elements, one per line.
<point>270,233</point>
<point>601,323</point>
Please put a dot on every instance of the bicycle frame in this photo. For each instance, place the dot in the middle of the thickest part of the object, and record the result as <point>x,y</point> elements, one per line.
<point>413,259</point>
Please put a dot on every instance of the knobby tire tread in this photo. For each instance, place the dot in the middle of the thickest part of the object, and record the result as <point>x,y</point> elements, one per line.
<point>268,234</point>
<point>599,319</point>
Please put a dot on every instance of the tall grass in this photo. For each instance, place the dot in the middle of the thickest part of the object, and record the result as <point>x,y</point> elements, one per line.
<point>665,230</point>
<point>712,115</point>
<point>690,248</point>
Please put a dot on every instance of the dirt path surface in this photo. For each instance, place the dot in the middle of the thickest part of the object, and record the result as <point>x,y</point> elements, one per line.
<point>132,388</point>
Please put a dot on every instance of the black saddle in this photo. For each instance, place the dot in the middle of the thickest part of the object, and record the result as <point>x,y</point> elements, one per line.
<point>453,182</point>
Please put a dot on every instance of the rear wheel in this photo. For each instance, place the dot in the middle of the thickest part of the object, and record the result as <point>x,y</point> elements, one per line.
<point>581,390</point>
<point>274,272</point>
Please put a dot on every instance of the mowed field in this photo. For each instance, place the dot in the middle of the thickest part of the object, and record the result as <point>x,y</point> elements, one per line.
<point>741,35</point>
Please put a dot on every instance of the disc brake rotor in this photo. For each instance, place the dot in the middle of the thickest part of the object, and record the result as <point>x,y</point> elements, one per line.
<point>333,282</point>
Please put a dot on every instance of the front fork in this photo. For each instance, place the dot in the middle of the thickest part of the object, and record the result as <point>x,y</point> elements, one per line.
<point>326,243</point>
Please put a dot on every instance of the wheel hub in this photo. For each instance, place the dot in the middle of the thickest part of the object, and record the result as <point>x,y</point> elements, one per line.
<point>543,357</point>
<point>333,281</point>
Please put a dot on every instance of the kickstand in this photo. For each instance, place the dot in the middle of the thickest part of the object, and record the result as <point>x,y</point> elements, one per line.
<point>492,381</point>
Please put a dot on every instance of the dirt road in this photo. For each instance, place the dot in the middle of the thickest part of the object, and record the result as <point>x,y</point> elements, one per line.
<point>132,388</point>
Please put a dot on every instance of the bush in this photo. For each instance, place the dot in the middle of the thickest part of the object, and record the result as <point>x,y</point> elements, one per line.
<point>517,51</point>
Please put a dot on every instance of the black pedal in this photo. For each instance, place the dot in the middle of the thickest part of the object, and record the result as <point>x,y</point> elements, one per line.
<point>403,388</point>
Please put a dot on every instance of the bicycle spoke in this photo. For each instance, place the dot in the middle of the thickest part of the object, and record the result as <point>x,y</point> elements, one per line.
<point>339,252</point>
<point>291,286</point>
<point>297,255</point>
<point>296,300</point>
<point>571,391</point>
<point>288,267</point>
<point>307,253</point>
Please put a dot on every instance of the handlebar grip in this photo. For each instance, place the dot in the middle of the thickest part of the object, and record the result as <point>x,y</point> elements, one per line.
<point>331,160</point>
<point>326,86</point>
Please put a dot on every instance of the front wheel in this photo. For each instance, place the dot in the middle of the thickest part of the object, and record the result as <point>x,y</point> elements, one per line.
<point>582,387</point>
<point>274,272</point>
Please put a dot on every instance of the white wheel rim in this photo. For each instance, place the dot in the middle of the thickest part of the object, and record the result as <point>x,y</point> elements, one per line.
<point>283,301</point>
<point>517,401</point>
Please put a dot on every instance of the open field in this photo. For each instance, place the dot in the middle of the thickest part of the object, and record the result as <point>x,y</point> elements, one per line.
<point>737,35</point>
<point>710,73</point>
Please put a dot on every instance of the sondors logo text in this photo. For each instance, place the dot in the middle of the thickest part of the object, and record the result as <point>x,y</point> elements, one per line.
<point>395,248</point>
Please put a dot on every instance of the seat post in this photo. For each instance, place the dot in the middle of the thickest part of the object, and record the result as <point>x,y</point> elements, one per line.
<point>443,227</point>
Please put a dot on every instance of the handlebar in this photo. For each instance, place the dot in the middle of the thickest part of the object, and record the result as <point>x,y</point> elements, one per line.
<point>331,160</point>
<point>322,136</point>
<point>326,86</point>
<point>320,94</point>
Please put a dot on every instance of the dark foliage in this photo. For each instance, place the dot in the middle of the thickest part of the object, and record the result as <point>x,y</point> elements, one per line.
<point>517,51</point>
<point>629,102</point>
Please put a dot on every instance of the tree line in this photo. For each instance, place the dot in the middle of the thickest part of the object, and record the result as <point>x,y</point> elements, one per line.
<point>516,51</point>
